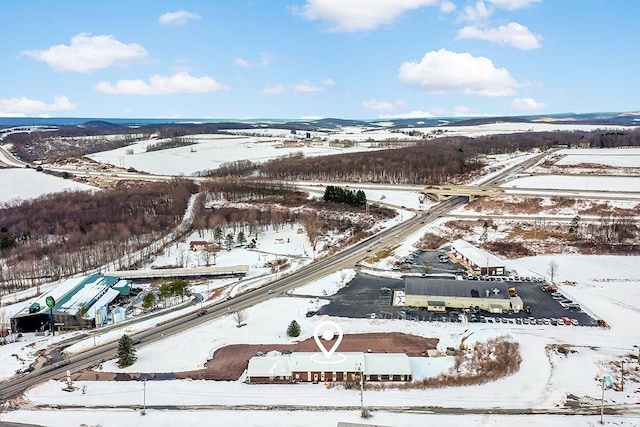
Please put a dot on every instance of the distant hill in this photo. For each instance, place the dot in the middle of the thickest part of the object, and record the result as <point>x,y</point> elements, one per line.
<point>597,118</point>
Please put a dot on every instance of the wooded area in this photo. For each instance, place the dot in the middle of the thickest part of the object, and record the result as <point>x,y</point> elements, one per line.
<point>435,161</point>
<point>62,234</point>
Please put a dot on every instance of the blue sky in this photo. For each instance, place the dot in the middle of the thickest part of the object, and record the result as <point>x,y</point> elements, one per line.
<point>292,59</point>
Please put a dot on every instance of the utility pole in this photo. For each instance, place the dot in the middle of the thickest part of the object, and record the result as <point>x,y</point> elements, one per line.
<point>361,374</point>
<point>602,402</point>
<point>622,376</point>
<point>144,396</point>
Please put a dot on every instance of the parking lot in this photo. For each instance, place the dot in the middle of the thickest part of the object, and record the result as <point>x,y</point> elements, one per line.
<point>368,296</point>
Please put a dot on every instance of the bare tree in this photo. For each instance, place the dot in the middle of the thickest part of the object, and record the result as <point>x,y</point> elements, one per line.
<point>240,316</point>
<point>553,269</point>
<point>4,326</point>
<point>205,256</point>
<point>313,227</point>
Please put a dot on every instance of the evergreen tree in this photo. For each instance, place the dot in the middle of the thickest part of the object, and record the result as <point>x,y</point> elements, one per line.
<point>294,329</point>
<point>240,238</point>
<point>180,287</point>
<point>126,352</point>
<point>228,241</point>
<point>149,301</point>
<point>217,234</point>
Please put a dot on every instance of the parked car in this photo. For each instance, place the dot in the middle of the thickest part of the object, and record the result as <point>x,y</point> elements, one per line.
<point>575,322</point>
<point>566,321</point>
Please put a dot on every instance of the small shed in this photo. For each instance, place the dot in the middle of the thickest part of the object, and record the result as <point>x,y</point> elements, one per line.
<point>198,245</point>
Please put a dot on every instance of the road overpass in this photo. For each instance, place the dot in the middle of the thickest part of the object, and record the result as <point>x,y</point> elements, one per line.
<point>441,192</point>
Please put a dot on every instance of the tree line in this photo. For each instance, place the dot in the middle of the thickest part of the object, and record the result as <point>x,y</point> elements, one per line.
<point>62,234</point>
<point>337,194</point>
<point>434,161</point>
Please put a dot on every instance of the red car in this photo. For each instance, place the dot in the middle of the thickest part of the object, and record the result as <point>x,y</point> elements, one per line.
<point>566,320</point>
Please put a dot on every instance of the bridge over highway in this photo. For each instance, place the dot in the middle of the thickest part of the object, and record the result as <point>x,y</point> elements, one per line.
<point>441,192</point>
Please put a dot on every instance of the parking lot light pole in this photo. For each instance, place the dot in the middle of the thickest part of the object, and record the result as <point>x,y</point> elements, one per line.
<point>602,402</point>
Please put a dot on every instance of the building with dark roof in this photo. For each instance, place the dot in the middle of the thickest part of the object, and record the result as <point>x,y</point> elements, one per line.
<point>440,294</point>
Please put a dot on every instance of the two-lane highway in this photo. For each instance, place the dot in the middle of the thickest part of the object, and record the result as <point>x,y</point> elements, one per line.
<point>347,258</point>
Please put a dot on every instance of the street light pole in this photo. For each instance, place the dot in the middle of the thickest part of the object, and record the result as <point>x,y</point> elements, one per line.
<point>144,396</point>
<point>602,402</point>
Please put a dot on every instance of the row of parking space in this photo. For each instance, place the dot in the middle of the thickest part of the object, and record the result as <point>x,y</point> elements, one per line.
<point>505,278</point>
<point>574,317</point>
<point>531,321</point>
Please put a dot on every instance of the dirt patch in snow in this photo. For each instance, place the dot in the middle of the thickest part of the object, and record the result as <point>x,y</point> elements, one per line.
<point>228,363</point>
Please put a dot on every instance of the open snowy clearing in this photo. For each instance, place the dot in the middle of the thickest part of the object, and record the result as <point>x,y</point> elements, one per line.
<point>210,152</point>
<point>26,184</point>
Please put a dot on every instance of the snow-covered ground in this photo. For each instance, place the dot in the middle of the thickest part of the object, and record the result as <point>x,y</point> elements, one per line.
<point>210,152</point>
<point>607,287</point>
<point>25,184</point>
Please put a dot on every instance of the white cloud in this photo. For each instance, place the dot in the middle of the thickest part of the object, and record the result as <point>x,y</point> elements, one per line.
<point>358,15</point>
<point>25,106</point>
<point>464,111</point>
<point>445,71</point>
<point>240,62</point>
<point>447,6</point>
<point>310,88</point>
<point>273,90</point>
<point>512,4</point>
<point>265,60</point>
<point>307,87</point>
<point>87,53</point>
<point>416,114</point>
<point>512,34</point>
<point>179,17</point>
<point>527,104</point>
<point>372,104</point>
<point>181,82</point>
<point>476,13</point>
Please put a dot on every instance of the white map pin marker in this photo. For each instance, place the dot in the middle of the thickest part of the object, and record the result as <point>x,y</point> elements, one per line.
<point>327,334</point>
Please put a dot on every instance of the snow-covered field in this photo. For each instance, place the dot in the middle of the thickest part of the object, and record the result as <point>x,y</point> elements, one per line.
<point>210,152</point>
<point>607,287</point>
<point>26,184</point>
<point>614,157</point>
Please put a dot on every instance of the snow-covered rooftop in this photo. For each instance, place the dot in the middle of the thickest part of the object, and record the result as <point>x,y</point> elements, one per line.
<point>476,255</point>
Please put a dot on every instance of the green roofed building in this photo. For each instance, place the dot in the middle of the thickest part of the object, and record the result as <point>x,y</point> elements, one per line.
<point>70,298</point>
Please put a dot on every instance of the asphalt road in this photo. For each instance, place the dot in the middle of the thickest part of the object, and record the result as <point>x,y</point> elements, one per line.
<point>347,258</point>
